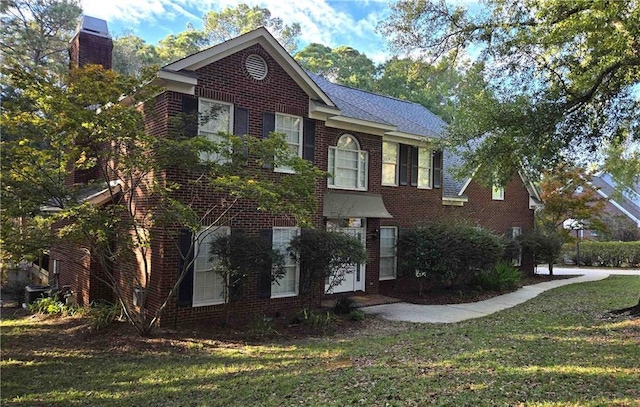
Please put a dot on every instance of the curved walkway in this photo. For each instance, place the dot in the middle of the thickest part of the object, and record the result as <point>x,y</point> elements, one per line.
<point>403,311</point>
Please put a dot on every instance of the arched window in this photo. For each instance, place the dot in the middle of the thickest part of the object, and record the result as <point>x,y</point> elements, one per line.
<point>348,164</point>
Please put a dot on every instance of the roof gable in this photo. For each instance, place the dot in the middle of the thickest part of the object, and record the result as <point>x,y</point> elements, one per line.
<point>181,71</point>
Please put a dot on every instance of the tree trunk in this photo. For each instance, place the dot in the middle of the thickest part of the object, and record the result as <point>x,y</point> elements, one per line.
<point>551,268</point>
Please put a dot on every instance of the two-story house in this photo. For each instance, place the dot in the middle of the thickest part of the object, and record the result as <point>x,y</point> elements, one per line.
<point>387,173</point>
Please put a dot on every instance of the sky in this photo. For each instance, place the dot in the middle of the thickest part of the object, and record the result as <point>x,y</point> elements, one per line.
<point>329,22</point>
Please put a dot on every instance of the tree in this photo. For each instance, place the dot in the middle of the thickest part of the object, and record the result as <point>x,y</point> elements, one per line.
<point>544,245</point>
<point>36,33</point>
<point>85,125</point>
<point>432,85</point>
<point>234,21</point>
<point>324,254</point>
<point>560,76</point>
<point>237,258</point>
<point>567,194</point>
<point>343,65</point>
<point>174,47</point>
<point>131,54</point>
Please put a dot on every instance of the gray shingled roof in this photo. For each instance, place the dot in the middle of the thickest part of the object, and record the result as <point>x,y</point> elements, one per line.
<point>451,186</point>
<point>408,117</point>
<point>607,186</point>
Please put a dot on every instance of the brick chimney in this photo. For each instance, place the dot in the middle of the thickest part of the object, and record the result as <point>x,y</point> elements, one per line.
<point>92,43</point>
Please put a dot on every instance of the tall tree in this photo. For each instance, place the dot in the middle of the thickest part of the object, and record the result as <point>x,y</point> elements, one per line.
<point>232,21</point>
<point>55,133</point>
<point>343,65</point>
<point>36,33</point>
<point>174,47</point>
<point>562,75</point>
<point>131,54</point>
<point>432,85</point>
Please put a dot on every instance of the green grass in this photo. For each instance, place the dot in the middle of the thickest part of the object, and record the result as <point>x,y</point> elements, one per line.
<point>558,349</point>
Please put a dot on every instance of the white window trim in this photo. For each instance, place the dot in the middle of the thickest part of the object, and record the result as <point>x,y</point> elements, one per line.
<point>430,168</point>
<point>395,255</point>
<point>208,156</point>
<point>497,193</point>
<point>395,163</point>
<point>331,180</point>
<point>297,271</point>
<point>284,169</point>
<point>223,230</point>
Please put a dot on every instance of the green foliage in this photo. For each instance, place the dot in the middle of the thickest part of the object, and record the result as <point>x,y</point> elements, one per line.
<point>606,254</point>
<point>234,21</point>
<point>261,326</point>
<point>315,319</point>
<point>322,254</point>
<point>554,79</point>
<point>36,33</point>
<point>102,313</point>
<point>543,245</point>
<point>238,256</point>
<point>442,253</point>
<point>357,315</point>
<point>344,305</point>
<point>54,305</point>
<point>502,277</point>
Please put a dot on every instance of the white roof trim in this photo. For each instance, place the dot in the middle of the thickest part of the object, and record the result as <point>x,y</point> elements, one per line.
<point>271,45</point>
<point>365,126</point>
<point>617,205</point>
<point>407,138</point>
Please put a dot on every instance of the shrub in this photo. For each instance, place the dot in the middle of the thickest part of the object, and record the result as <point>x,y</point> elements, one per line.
<point>321,253</point>
<point>315,319</point>
<point>102,314</point>
<point>53,306</point>
<point>447,253</point>
<point>261,326</point>
<point>344,305</point>
<point>356,315</point>
<point>605,254</point>
<point>502,277</point>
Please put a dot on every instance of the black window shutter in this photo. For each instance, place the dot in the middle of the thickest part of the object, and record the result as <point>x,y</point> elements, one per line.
<point>236,290</point>
<point>404,163</point>
<point>241,128</point>
<point>190,114</point>
<point>305,282</point>
<point>264,276</point>
<point>414,166</point>
<point>309,140</point>
<point>268,126</point>
<point>240,121</point>
<point>268,123</point>
<point>437,169</point>
<point>185,290</point>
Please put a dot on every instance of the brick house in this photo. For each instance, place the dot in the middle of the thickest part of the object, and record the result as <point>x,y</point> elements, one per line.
<point>388,173</point>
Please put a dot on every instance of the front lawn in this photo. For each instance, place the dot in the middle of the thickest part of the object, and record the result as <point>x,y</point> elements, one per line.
<point>559,349</point>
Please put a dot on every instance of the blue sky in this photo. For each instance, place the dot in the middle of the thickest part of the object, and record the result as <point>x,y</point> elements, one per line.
<point>329,22</point>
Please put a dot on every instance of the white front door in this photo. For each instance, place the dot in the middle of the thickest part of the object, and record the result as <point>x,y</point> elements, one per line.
<point>352,275</point>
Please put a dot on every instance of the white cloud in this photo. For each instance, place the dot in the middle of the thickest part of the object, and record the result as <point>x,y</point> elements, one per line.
<point>328,22</point>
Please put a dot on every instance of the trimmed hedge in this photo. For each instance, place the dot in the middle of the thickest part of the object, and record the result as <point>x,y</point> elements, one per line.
<point>606,254</point>
<point>447,254</point>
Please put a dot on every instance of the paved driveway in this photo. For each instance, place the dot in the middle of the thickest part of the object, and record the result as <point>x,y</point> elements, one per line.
<point>404,311</point>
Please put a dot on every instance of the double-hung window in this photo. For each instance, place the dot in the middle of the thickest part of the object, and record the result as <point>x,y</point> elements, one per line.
<point>287,285</point>
<point>348,165</point>
<point>389,163</point>
<point>424,168</point>
<point>388,260</point>
<point>208,286</point>
<point>215,118</point>
<point>291,127</point>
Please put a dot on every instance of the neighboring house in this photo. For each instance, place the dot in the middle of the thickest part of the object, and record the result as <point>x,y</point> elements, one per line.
<point>388,173</point>
<point>625,203</point>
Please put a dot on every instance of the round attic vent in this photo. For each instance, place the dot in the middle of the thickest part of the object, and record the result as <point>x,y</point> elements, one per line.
<point>256,66</point>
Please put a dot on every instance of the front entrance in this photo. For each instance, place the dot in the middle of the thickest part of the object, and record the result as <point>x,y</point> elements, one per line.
<point>354,273</point>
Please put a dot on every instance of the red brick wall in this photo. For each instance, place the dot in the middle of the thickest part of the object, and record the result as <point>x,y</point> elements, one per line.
<point>87,48</point>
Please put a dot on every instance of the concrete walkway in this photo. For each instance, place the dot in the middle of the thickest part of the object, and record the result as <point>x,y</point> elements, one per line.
<point>404,311</point>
